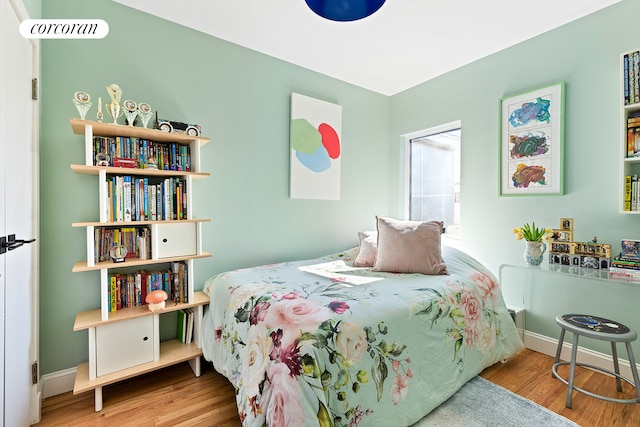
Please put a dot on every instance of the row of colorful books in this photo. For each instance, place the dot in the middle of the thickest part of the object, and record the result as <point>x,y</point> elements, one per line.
<point>184,332</point>
<point>131,198</point>
<point>131,289</point>
<point>141,153</point>
<point>633,135</point>
<point>105,238</point>
<point>631,193</point>
<point>631,77</point>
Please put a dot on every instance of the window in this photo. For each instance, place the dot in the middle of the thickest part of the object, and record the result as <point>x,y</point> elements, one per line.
<point>434,177</point>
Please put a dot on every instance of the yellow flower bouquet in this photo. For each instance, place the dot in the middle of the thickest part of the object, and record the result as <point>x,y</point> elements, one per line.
<point>531,233</point>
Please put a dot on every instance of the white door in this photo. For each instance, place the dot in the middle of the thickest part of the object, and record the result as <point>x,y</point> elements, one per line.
<point>3,162</point>
<point>19,149</point>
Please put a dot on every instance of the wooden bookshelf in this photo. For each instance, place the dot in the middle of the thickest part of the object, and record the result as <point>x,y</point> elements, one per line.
<point>126,342</point>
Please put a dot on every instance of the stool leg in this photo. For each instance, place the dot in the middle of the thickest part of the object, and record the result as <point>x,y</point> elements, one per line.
<point>559,349</point>
<point>616,366</point>
<point>634,369</point>
<point>560,342</point>
<point>572,370</point>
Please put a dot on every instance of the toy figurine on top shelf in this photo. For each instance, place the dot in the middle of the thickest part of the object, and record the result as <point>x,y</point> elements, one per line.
<point>565,251</point>
<point>171,126</point>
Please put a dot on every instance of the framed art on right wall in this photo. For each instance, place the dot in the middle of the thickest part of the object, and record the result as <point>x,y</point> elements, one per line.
<point>532,142</point>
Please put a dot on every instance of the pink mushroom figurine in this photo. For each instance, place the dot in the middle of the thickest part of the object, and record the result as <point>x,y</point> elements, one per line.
<point>156,300</point>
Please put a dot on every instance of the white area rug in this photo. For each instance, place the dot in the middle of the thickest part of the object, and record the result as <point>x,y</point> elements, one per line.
<point>480,403</point>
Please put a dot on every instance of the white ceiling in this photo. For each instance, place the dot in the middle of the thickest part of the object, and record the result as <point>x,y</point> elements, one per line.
<point>405,43</point>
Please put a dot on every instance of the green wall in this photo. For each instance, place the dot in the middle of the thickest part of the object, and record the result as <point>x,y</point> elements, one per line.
<point>586,55</point>
<point>241,99</point>
<point>33,8</point>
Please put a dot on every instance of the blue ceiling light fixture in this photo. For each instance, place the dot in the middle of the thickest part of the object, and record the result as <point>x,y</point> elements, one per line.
<point>344,10</point>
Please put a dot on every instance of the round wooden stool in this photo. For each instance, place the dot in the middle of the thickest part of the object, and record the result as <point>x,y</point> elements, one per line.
<point>600,329</point>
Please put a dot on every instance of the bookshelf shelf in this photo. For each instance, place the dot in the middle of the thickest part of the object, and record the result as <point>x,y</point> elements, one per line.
<point>171,352</point>
<point>109,129</point>
<point>134,223</point>
<point>125,342</point>
<point>631,160</point>
<point>95,170</point>
<point>132,262</point>
<point>93,318</point>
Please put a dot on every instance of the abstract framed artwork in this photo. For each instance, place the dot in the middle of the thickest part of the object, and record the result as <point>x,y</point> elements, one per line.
<point>532,142</point>
<point>316,145</point>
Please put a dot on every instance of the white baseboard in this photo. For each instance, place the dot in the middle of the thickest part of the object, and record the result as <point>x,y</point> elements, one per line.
<point>545,345</point>
<point>58,382</point>
<point>36,409</point>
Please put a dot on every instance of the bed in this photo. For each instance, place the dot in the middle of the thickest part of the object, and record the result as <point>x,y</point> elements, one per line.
<point>322,342</point>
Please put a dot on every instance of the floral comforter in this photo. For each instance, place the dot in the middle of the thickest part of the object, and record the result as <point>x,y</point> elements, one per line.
<point>322,343</point>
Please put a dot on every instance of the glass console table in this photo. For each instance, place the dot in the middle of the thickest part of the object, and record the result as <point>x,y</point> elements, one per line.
<point>545,291</point>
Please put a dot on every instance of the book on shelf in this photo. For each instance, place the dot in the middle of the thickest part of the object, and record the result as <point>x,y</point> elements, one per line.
<point>180,327</point>
<point>166,197</point>
<point>631,77</point>
<point>180,281</point>
<point>143,243</point>
<point>126,198</point>
<point>112,293</point>
<point>630,249</point>
<point>123,162</point>
<point>627,193</point>
<point>634,193</point>
<point>625,78</point>
<point>190,315</point>
<point>631,193</point>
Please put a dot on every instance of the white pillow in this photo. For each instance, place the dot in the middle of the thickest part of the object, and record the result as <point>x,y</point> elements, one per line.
<point>368,249</point>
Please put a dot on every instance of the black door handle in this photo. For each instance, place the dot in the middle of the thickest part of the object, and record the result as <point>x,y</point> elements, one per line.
<point>10,243</point>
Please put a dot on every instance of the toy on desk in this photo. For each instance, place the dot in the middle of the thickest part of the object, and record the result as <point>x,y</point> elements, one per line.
<point>156,300</point>
<point>565,251</point>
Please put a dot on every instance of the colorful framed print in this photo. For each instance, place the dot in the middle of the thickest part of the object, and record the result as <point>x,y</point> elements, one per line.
<point>532,142</point>
<point>316,141</point>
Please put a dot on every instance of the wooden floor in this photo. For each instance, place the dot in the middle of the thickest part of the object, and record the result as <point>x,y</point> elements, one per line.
<point>174,397</point>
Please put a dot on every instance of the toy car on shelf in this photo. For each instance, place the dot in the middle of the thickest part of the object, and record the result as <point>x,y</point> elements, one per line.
<point>171,126</point>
